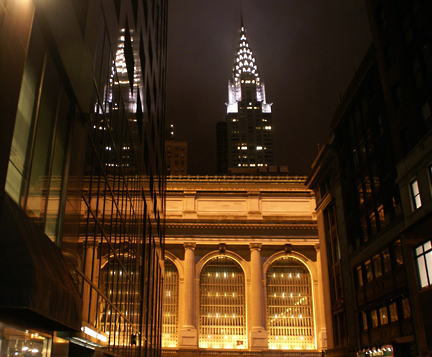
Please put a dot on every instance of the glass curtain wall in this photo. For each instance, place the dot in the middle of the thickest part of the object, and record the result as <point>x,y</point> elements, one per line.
<point>38,158</point>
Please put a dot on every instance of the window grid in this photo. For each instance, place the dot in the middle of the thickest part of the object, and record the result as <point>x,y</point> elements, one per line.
<point>415,192</point>
<point>424,263</point>
<point>290,321</point>
<point>222,305</point>
<point>170,306</point>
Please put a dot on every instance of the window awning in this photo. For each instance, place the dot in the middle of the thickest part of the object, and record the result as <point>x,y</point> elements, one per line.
<point>36,288</point>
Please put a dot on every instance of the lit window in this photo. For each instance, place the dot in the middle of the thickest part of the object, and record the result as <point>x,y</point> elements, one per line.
<point>290,322</point>
<point>383,315</point>
<point>365,324</point>
<point>369,273</point>
<point>393,312</point>
<point>259,148</point>
<point>424,263</point>
<point>374,318</point>
<point>222,305</point>
<point>170,305</point>
<point>377,265</point>
<point>406,308</point>
<point>415,194</point>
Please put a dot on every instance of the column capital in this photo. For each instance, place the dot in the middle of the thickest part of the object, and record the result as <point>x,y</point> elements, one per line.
<point>189,245</point>
<point>317,247</point>
<point>253,246</point>
<point>91,244</point>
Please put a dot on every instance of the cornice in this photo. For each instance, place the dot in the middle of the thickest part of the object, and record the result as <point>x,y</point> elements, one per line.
<point>249,226</point>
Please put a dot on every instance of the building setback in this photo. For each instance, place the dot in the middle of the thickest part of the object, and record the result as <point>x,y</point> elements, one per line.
<point>249,119</point>
<point>373,188</point>
<point>82,177</point>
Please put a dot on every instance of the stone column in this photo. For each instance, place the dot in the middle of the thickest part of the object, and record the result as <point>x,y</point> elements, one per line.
<point>258,335</point>
<point>188,332</point>
<point>91,270</point>
<point>321,328</point>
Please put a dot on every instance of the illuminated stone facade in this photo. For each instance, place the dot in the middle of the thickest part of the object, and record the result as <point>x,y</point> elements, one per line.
<point>246,254</point>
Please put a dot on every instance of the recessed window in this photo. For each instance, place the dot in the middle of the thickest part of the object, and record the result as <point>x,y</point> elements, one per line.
<point>406,308</point>
<point>365,323</point>
<point>415,195</point>
<point>170,305</point>
<point>393,312</point>
<point>374,318</point>
<point>290,315</point>
<point>222,305</point>
<point>424,263</point>
<point>383,315</point>
<point>377,265</point>
<point>397,247</point>
<point>369,273</point>
<point>360,276</point>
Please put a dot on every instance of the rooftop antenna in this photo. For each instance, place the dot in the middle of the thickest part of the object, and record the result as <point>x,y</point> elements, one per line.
<point>241,14</point>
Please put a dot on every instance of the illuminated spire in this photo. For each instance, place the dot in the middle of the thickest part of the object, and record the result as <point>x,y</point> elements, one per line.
<point>244,60</point>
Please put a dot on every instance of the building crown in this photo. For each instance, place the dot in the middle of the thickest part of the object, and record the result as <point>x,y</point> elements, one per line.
<point>244,60</point>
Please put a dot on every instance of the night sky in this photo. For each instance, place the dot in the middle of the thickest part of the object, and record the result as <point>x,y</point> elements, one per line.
<point>307,52</point>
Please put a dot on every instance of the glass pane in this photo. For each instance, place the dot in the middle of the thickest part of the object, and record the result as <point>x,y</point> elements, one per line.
<point>406,308</point>
<point>386,260</point>
<point>414,187</point>
<point>393,312</point>
<point>374,318</point>
<point>16,342</point>
<point>398,252</point>
<point>17,175</point>
<point>369,273</point>
<point>365,324</point>
<point>383,315</point>
<point>43,141</point>
<point>428,257</point>
<point>377,265</point>
<point>422,272</point>
<point>57,169</point>
<point>419,250</point>
<point>427,246</point>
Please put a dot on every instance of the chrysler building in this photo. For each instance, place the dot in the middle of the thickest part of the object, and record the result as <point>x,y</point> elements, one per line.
<point>249,117</point>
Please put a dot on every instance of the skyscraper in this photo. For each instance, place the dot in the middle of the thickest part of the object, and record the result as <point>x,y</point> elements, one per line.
<point>249,116</point>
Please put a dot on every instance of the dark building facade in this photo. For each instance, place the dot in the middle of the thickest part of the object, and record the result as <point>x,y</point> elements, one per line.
<point>249,119</point>
<point>373,188</point>
<point>82,177</point>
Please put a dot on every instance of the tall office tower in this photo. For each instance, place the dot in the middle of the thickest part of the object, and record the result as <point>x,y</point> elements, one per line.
<point>82,177</point>
<point>249,117</point>
<point>373,189</point>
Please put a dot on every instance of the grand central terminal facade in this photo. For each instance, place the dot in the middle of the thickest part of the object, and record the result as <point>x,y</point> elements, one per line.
<point>242,268</point>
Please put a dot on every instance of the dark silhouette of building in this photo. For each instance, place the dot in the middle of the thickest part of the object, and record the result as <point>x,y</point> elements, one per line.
<point>372,183</point>
<point>249,118</point>
<point>175,154</point>
<point>222,147</point>
<point>82,177</point>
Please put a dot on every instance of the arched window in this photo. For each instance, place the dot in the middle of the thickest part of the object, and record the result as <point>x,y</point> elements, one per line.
<point>222,304</point>
<point>290,321</point>
<point>170,305</point>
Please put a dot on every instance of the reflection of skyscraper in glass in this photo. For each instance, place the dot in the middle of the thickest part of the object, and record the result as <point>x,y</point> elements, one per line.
<point>82,177</point>
<point>249,117</point>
